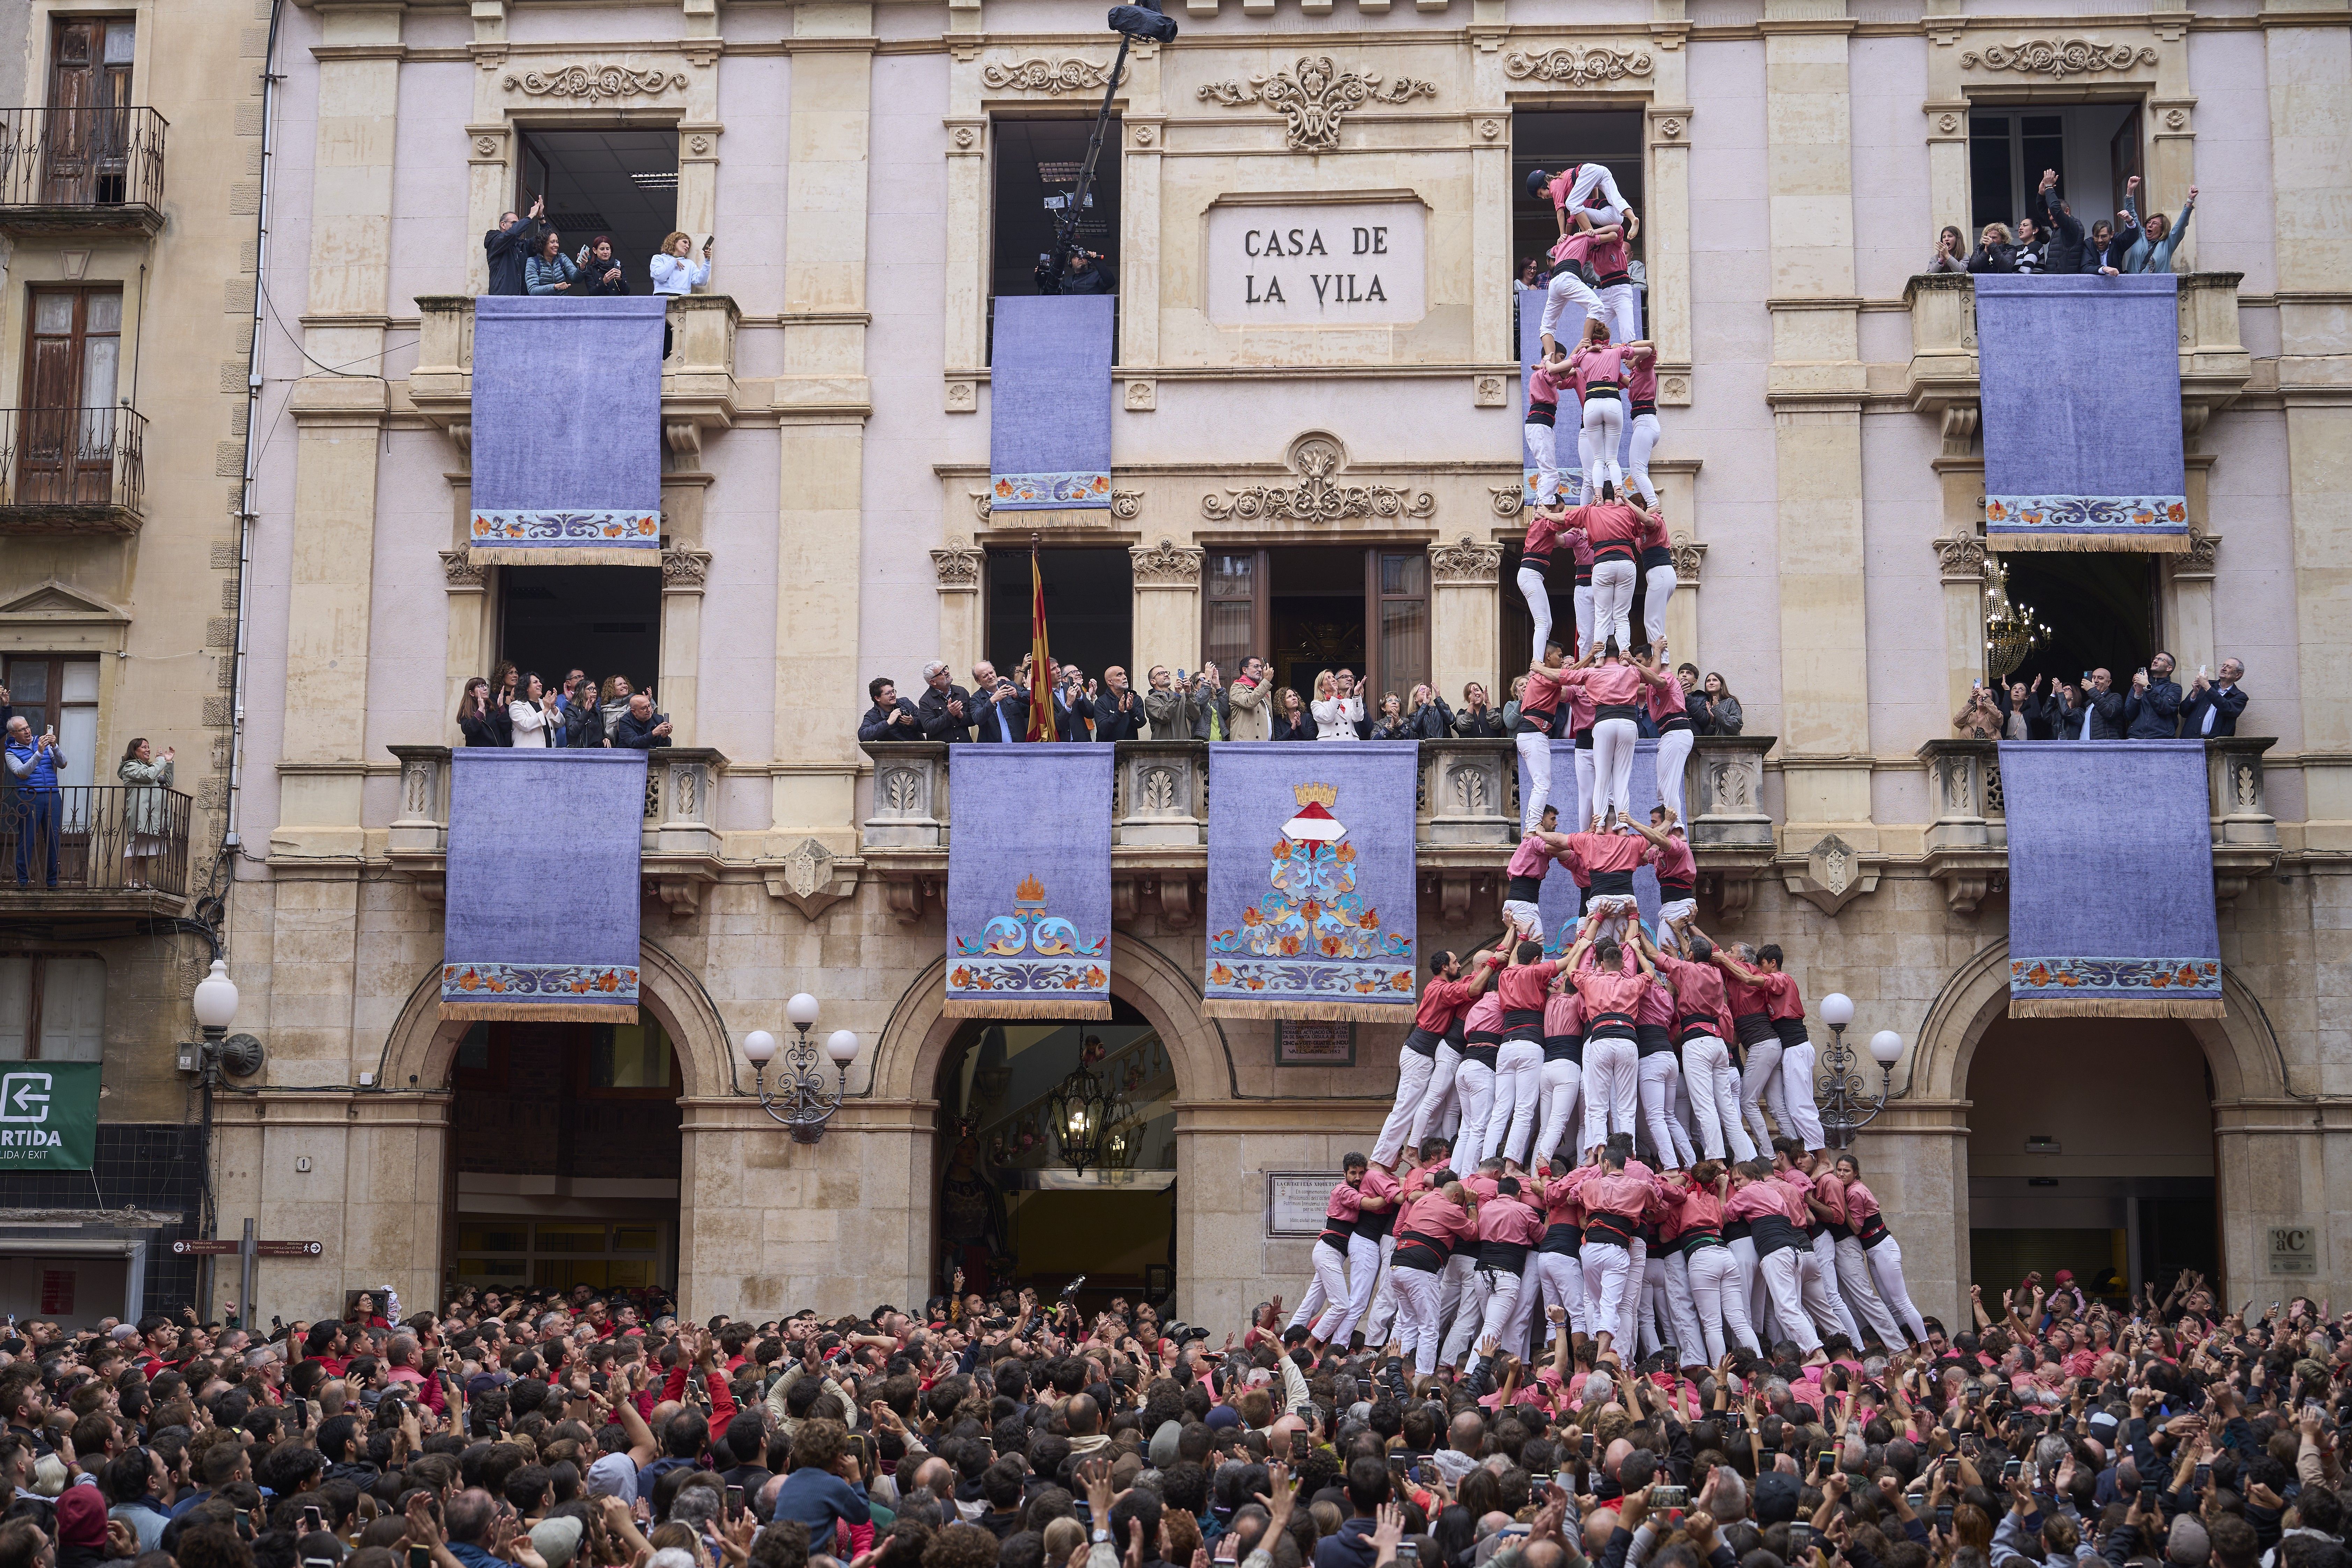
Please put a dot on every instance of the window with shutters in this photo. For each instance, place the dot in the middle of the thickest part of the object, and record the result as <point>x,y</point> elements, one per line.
<point>86,151</point>
<point>67,426</point>
<point>52,1007</point>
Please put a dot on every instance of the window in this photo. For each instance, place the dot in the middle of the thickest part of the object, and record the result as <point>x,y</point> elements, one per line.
<point>65,440</point>
<point>1306,609</point>
<point>1037,162</point>
<point>1403,588</point>
<point>1555,140</point>
<point>2095,147</point>
<point>84,155</point>
<point>1089,609</point>
<point>52,1009</point>
<point>620,184</point>
<point>601,620</point>
<point>1235,627</point>
<point>51,688</point>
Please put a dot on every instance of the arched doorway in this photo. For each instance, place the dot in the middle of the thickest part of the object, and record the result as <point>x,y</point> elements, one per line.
<point>1013,1210</point>
<point>2091,1149</point>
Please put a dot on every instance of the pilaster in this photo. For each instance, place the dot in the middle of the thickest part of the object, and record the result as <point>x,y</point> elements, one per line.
<point>683,570</point>
<point>1167,607</point>
<point>1143,128</point>
<point>962,625</point>
<point>1465,611</point>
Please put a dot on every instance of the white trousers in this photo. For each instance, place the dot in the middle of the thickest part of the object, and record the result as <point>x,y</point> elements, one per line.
<point>1532,584</point>
<point>1562,1275</point>
<point>1568,289</point>
<point>1526,916</point>
<point>1470,1317</point>
<point>1330,1286</point>
<point>1804,1118</point>
<point>1613,764</point>
<point>1363,1273</point>
<point>1719,1300</point>
<point>1413,1073</point>
<point>1518,1083</point>
<point>1535,751</point>
<point>1584,617</point>
<point>1523,1311</point>
<point>1643,441</point>
<point>1751,1285</point>
<point>1562,1082</point>
<point>1612,1090</point>
<point>1452,1283</point>
<point>1660,583</point>
<point>1861,1294</point>
<point>1605,432</point>
<point>1583,787</point>
<point>1760,1081</point>
<point>1674,761</point>
<point>1502,1309</point>
<point>1416,1293</point>
<point>1658,1078</point>
<point>1784,1279</point>
<point>1651,1314</point>
<point>1703,1057</point>
<point>1612,602</point>
<point>1886,1264</point>
<point>1621,305</point>
<point>1437,1097</point>
<point>1546,453</point>
<point>1820,1266</point>
<point>1384,1298</point>
<point>1683,1311</point>
<point>1610,1277</point>
<point>1474,1082</point>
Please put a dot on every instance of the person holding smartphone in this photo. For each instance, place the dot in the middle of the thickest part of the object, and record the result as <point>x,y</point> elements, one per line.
<point>34,764</point>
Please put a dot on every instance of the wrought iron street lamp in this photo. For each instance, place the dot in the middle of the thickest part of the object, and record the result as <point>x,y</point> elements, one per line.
<point>802,1100</point>
<point>1842,1095</point>
<point>1079,1110</point>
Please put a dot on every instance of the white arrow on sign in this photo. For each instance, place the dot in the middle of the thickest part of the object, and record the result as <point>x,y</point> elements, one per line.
<point>25,1096</point>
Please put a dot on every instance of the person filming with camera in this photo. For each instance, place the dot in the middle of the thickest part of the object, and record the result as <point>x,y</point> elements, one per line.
<point>1087,272</point>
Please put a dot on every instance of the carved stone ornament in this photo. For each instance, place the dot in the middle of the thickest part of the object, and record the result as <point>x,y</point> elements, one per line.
<point>2175,118</point>
<point>1318,497</point>
<point>809,880</point>
<point>1052,77</point>
<point>1947,124</point>
<point>957,565</point>
<point>461,572</point>
<point>1831,875</point>
<point>1571,65</point>
<point>2204,550</point>
<point>965,136</point>
<point>1166,565</point>
<point>683,570</point>
<point>1689,554</point>
<point>962,397</point>
<point>1314,95</point>
<point>1124,507</point>
<point>1670,127</point>
<point>2059,58</point>
<point>1465,560</point>
<point>1509,499</point>
<point>1961,559</point>
<point>1145,136</point>
<point>1490,128</point>
<point>594,84</point>
<point>1489,391</point>
<point>486,145</point>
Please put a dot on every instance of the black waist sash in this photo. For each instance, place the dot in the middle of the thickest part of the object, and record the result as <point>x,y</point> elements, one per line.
<point>1419,1252</point>
<point>1420,1042</point>
<point>1503,1257</point>
<point>1652,1039</point>
<point>1612,1229</point>
<point>1480,1047</point>
<point>1702,1236</point>
<point>1542,412</point>
<point>1564,1048</point>
<point>1792,1031</point>
<point>1609,1026</point>
<point>1523,1023</point>
<point>1655,555</point>
<point>1773,1233</point>
<point>1873,1231</point>
<point>1694,1024</point>
<point>1619,883</point>
<point>1562,1240</point>
<point>1524,889</point>
<point>1629,711</point>
<point>1753,1028</point>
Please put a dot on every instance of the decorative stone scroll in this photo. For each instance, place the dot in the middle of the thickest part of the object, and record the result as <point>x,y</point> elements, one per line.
<point>2059,58</point>
<point>1166,565</point>
<point>1465,560</point>
<point>959,565</point>
<point>594,84</point>
<point>1314,95</point>
<point>1052,77</point>
<point>1318,497</point>
<point>1571,65</point>
<point>1961,558</point>
<point>684,571</point>
<point>463,575</point>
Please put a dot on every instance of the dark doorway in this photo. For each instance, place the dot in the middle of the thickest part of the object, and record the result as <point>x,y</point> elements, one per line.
<point>603,620</point>
<point>2100,606</point>
<point>1309,608</point>
<point>1089,608</point>
<point>86,155</point>
<point>2095,147</point>
<point>1037,161</point>
<point>69,426</point>
<point>1317,610</point>
<point>621,183</point>
<point>1553,140</point>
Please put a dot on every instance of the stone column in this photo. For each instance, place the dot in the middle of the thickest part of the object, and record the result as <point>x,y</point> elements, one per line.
<point>1465,611</point>
<point>1816,386</point>
<point>822,400</point>
<point>2189,605</point>
<point>1139,204</point>
<point>962,622</point>
<point>1946,111</point>
<point>490,172</point>
<point>1666,223</point>
<point>683,572</point>
<point>1681,610</point>
<point>1490,194</point>
<point>1167,607</point>
<point>469,641</point>
<point>1960,560</point>
<point>963,302</point>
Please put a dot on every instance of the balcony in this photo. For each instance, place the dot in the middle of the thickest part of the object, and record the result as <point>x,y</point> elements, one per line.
<point>66,172</point>
<point>1941,378</point>
<point>1967,842</point>
<point>75,471</point>
<point>119,851</point>
<point>697,387</point>
<point>1466,823</point>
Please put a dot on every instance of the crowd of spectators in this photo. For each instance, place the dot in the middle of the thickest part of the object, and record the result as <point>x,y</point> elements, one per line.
<point>2153,706</point>
<point>515,707</point>
<point>1201,705</point>
<point>989,1432</point>
<point>526,256</point>
<point>2052,239</point>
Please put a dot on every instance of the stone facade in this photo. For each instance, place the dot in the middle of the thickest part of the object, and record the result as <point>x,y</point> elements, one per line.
<point>1819,467</point>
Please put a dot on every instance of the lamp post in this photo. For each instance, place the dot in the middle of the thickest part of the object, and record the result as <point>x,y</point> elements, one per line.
<point>1844,1098</point>
<point>216,1052</point>
<point>801,1100</point>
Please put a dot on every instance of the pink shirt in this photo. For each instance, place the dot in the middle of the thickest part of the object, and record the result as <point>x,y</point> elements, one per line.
<point>1622,1193</point>
<point>1543,386</point>
<point>1608,685</point>
<point>1860,1203</point>
<point>1642,381</point>
<point>1607,256</point>
<point>1522,985</point>
<point>1787,1001</point>
<point>1438,1217</point>
<point>1442,1001</point>
<point>1486,1015</point>
<point>1701,1209</point>
<point>1610,525</point>
<point>1597,367</point>
<point>1769,1198</point>
<point>1564,1014</point>
<point>1676,865</point>
<point>1542,693</point>
<point>1508,1219</point>
<point>1380,1184</point>
<point>1657,1005</point>
<point>1609,852</point>
<point>1611,991</point>
<point>1667,701</point>
<point>1531,859</point>
<point>1578,542</point>
<point>1346,1204</point>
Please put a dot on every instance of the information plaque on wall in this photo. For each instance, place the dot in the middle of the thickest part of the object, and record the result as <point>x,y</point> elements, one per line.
<point>1296,1201</point>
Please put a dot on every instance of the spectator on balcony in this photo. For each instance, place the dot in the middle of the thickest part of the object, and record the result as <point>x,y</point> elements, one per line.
<point>1168,705</point>
<point>473,715</point>
<point>946,709</point>
<point>146,810</point>
<point>1292,722</point>
<point>1074,710</point>
<point>2212,706</point>
<point>1119,707</point>
<point>509,246</point>
<point>502,691</point>
<point>34,762</point>
<point>549,271</point>
<point>1981,718</point>
<point>2068,251</point>
<point>614,703</point>
<point>2152,711</point>
<point>1723,714</point>
<point>673,271</point>
<point>1248,710</point>
<point>532,715</point>
<point>1426,714</point>
<point>892,717</point>
<point>2094,712</point>
<point>1388,724</point>
<point>2025,702</point>
<point>1511,706</point>
<point>2161,238</point>
<point>641,728</point>
<point>2111,243</point>
<point>1477,720</point>
<point>583,721</point>
<point>1002,708</point>
<point>1338,708</point>
<point>599,271</point>
<point>1995,252</point>
<point>1951,251</point>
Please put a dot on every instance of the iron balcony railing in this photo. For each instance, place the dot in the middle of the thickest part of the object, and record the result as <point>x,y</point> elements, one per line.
<point>86,457</point>
<point>81,158</point>
<point>108,839</point>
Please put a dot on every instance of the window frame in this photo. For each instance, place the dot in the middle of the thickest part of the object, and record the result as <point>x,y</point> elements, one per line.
<point>33,989</point>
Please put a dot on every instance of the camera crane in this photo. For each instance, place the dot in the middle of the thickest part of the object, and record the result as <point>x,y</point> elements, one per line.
<point>1144,21</point>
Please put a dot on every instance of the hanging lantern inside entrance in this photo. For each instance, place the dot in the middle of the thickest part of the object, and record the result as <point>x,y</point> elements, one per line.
<point>1079,1111</point>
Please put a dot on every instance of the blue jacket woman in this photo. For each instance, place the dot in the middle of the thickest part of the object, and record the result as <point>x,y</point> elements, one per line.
<point>551,271</point>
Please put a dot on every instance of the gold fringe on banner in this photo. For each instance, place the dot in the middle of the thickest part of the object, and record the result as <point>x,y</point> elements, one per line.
<point>1320,1012</point>
<point>555,1012</point>
<point>560,555</point>
<point>2115,1008</point>
<point>958,1008</point>
<point>2145,543</point>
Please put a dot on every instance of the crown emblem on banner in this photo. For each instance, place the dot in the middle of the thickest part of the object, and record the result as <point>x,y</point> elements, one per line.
<point>1030,890</point>
<point>1320,794</point>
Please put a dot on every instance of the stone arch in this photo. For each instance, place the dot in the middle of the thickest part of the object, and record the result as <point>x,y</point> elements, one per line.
<point>2241,1047</point>
<point>916,1037</point>
<point>420,1044</point>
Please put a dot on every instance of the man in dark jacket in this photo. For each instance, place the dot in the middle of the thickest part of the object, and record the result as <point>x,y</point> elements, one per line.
<point>947,709</point>
<point>2212,707</point>
<point>2152,711</point>
<point>1080,277</point>
<point>511,244</point>
<point>2068,250</point>
<point>892,717</point>
<point>1001,709</point>
<point>1352,1545</point>
<point>1118,709</point>
<point>2094,713</point>
<point>1072,711</point>
<point>641,728</point>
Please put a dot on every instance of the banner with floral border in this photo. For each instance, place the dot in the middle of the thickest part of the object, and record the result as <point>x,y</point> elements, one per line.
<point>1029,881</point>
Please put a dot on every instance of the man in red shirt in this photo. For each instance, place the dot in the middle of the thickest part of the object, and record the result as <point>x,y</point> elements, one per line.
<point>1426,1063</point>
